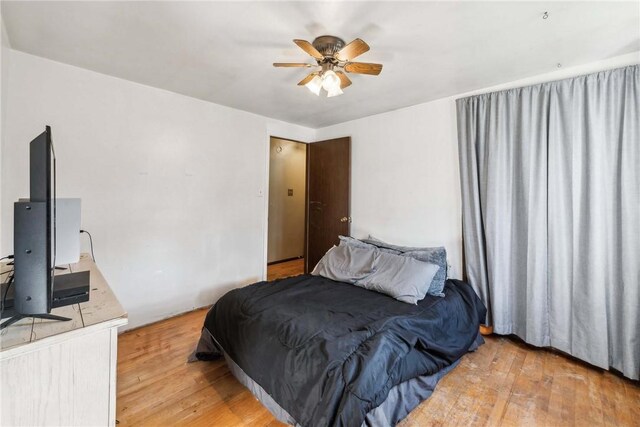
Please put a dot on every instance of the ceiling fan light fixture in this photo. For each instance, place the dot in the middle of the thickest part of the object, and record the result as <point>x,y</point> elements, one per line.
<point>330,81</point>
<point>315,85</point>
<point>334,92</point>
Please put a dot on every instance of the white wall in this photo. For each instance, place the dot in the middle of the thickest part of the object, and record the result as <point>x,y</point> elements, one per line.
<point>405,185</point>
<point>172,188</point>
<point>404,176</point>
<point>4,75</point>
<point>287,170</point>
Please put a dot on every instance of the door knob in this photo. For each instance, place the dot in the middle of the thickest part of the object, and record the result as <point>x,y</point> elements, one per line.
<point>346,219</point>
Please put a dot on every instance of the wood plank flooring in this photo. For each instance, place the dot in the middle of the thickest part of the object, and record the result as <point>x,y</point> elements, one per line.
<point>285,269</point>
<point>504,383</point>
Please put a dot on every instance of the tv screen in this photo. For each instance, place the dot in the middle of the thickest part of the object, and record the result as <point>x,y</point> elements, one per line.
<point>33,232</point>
<point>35,245</point>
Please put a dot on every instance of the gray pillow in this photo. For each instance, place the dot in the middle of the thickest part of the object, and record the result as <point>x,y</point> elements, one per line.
<point>350,241</point>
<point>436,255</point>
<point>404,278</point>
<point>346,264</point>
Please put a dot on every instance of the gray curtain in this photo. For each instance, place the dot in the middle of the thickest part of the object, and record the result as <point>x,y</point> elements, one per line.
<point>550,180</point>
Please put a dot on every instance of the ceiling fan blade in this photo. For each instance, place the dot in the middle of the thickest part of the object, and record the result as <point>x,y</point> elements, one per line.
<point>363,68</point>
<point>293,64</point>
<point>344,80</point>
<point>352,50</point>
<point>308,47</point>
<point>307,79</point>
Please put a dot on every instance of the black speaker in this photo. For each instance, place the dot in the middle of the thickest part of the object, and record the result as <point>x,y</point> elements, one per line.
<point>32,247</point>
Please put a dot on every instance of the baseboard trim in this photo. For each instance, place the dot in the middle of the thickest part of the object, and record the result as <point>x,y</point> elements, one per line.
<point>170,316</point>
<point>285,260</point>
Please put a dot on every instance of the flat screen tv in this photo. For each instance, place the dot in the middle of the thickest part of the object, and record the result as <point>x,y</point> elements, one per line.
<point>34,234</point>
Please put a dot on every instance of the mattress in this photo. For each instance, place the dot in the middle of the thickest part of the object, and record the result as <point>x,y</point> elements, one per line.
<point>323,353</point>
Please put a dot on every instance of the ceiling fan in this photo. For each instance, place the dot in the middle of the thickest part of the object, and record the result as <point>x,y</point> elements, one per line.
<point>334,57</point>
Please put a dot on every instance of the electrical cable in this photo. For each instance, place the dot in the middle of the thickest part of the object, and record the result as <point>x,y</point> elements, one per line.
<point>91,242</point>
<point>9,282</point>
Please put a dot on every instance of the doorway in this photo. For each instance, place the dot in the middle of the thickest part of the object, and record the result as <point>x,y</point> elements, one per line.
<point>287,208</point>
<point>309,202</point>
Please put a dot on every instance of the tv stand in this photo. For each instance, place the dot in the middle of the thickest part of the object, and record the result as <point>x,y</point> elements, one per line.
<point>19,317</point>
<point>78,357</point>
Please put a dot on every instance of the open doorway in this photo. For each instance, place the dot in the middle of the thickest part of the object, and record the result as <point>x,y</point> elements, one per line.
<point>287,204</point>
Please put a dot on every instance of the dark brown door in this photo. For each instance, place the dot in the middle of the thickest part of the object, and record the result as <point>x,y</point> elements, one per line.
<point>328,196</point>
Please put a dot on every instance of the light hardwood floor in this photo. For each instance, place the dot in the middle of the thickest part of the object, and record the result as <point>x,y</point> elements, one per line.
<point>285,269</point>
<point>504,383</point>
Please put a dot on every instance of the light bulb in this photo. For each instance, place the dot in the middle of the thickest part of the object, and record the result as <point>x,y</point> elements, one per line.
<point>334,92</point>
<point>315,85</point>
<point>330,81</point>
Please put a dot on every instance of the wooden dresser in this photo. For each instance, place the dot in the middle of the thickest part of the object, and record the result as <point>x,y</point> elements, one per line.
<point>63,373</point>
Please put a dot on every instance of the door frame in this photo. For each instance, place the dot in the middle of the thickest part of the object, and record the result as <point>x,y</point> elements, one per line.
<point>265,249</point>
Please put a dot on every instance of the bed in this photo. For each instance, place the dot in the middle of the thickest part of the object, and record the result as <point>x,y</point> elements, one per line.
<point>318,352</point>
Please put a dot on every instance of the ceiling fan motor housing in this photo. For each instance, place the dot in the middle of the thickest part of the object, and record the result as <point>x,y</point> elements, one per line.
<point>328,45</point>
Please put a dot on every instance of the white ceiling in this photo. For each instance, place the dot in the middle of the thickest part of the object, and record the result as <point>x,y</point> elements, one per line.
<point>222,51</point>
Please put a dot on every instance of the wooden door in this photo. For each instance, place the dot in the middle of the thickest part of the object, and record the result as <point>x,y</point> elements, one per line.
<point>328,196</point>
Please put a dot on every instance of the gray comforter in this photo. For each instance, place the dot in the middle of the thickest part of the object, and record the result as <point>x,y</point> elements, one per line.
<point>329,352</point>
